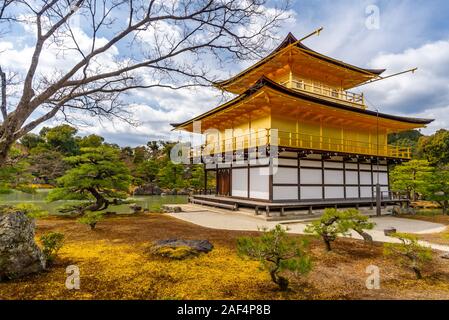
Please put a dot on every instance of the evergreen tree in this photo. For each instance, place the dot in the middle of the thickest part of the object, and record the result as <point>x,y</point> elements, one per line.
<point>97,174</point>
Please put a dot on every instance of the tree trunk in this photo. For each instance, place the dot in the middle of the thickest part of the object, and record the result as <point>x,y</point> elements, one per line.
<point>327,243</point>
<point>273,275</point>
<point>445,206</point>
<point>365,235</point>
<point>280,281</point>
<point>5,146</point>
<point>417,272</point>
<point>101,202</point>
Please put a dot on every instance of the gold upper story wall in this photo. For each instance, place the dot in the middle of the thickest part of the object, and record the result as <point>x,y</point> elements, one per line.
<point>294,127</point>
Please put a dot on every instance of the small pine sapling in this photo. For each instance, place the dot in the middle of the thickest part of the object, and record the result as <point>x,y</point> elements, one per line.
<point>51,242</point>
<point>328,227</point>
<point>409,252</point>
<point>277,252</point>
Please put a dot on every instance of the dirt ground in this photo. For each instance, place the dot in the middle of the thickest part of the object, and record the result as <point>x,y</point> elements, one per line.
<point>114,264</point>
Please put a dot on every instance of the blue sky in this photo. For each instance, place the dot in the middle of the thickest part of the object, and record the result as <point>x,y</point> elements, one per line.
<point>410,33</point>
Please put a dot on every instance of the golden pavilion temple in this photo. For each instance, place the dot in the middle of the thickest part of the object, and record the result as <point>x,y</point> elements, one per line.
<point>294,108</point>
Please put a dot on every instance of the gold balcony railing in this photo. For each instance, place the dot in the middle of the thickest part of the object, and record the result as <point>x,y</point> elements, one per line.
<point>355,99</point>
<point>273,137</point>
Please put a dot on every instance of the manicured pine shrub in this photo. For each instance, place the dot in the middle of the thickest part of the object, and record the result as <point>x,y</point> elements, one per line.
<point>409,253</point>
<point>277,252</point>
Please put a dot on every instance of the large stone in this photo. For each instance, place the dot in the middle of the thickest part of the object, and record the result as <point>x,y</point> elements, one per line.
<point>19,253</point>
<point>171,208</point>
<point>198,245</point>
<point>389,231</point>
<point>180,249</point>
<point>147,190</point>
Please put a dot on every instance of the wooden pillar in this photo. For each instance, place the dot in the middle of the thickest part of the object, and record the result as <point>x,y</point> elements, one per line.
<point>205,179</point>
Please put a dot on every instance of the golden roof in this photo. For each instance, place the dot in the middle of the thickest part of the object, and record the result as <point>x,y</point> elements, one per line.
<point>292,56</point>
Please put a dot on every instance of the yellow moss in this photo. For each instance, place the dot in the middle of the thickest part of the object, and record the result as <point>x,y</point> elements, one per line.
<point>116,271</point>
<point>178,253</point>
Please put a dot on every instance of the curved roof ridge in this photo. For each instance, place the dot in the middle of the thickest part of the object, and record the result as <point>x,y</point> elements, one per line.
<point>290,39</point>
<point>265,81</point>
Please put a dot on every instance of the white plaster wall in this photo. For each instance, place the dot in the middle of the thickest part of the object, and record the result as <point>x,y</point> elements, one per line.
<point>365,192</point>
<point>285,193</point>
<point>333,177</point>
<point>334,192</point>
<point>365,167</point>
<point>383,177</point>
<point>309,163</point>
<point>352,192</point>
<point>259,183</point>
<point>329,164</point>
<point>240,182</point>
<point>351,166</point>
<point>285,175</point>
<point>352,177</point>
<point>240,163</point>
<point>311,176</point>
<point>288,162</point>
<point>365,177</point>
<point>311,193</point>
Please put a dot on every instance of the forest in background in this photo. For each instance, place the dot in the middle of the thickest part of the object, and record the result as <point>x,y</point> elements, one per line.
<point>41,159</point>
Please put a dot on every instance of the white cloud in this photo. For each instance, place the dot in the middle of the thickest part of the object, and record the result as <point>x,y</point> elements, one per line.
<point>425,93</point>
<point>400,43</point>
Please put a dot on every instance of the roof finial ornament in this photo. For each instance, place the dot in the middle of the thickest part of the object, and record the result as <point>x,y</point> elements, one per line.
<point>316,32</point>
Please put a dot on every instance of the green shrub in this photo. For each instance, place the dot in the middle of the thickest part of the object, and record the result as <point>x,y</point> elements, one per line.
<point>276,252</point>
<point>334,223</point>
<point>31,210</point>
<point>91,219</point>
<point>409,252</point>
<point>328,227</point>
<point>51,242</point>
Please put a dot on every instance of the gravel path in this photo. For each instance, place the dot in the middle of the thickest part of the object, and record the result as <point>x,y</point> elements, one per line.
<point>228,220</point>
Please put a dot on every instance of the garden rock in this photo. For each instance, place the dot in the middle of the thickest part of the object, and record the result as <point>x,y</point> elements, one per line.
<point>19,254</point>
<point>389,231</point>
<point>171,208</point>
<point>135,208</point>
<point>181,249</point>
<point>147,190</point>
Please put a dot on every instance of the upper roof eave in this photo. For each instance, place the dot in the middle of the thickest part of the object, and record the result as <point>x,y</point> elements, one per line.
<point>265,82</point>
<point>289,40</point>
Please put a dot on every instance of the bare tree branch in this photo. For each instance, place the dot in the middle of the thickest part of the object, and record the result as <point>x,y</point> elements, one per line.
<point>3,93</point>
<point>133,44</point>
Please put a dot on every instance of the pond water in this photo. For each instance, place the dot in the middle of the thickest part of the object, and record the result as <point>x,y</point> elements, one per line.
<point>39,199</point>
